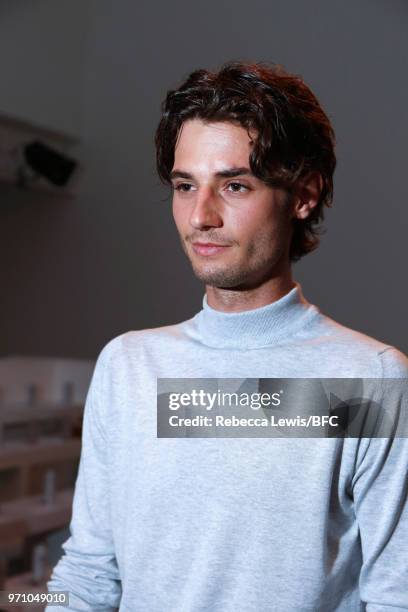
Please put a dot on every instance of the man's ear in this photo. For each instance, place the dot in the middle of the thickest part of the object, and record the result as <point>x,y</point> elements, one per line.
<point>306,194</point>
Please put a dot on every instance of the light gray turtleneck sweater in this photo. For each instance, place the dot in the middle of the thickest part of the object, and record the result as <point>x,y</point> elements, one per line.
<point>235,524</point>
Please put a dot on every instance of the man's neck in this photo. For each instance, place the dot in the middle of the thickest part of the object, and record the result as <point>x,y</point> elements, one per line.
<point>238,300</point>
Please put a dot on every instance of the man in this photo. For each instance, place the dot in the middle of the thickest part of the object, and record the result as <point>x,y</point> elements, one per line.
<point>163,524</point>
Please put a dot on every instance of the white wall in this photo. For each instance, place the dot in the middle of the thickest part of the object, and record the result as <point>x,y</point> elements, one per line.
<point>42,50</point>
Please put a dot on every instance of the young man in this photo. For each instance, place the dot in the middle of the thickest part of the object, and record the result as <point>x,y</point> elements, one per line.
<point>248,524</point>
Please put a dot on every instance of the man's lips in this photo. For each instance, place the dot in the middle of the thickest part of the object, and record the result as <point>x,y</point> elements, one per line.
<point>209,248</point>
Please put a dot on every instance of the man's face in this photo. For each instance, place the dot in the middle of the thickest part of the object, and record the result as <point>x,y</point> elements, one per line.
<point>217,200</point>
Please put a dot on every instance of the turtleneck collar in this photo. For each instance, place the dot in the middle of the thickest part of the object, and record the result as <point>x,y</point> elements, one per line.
<point>257,327</point>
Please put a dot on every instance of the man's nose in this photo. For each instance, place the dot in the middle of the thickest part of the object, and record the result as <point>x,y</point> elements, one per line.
<point>206,211</point>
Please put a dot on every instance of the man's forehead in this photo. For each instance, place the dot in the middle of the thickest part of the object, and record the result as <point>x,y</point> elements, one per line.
<point>231,172</point>
<point>212,148</point>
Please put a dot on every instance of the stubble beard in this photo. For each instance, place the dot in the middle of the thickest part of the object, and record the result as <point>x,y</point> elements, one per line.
<point>261,262</point>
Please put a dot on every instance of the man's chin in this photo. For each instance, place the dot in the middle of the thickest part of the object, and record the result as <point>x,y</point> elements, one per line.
<point>222,279</point>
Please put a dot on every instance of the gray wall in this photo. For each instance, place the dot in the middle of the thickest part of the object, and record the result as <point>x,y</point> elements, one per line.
<point>76,273</point>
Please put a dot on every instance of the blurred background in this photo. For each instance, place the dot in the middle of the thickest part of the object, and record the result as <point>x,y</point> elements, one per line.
<point>88,260</point>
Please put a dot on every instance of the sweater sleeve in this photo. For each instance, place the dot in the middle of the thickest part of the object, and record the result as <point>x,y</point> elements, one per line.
<point>88,567</point>
<point>380,490</point>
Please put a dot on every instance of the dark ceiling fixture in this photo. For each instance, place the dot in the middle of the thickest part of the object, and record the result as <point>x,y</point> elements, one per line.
<point>45,161</point>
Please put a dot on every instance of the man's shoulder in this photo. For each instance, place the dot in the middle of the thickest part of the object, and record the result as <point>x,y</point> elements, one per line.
<point>355,345</point>
<point>142,339</point>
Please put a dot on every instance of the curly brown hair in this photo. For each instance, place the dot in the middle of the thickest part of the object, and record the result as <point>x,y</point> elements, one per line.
<point>294,136</point>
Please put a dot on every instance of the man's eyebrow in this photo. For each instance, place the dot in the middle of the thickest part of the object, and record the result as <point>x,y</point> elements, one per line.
<point>227,173</point>
<point>231,172</point>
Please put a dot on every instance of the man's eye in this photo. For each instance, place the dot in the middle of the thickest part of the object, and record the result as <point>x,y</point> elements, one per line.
<point>237,187</point>
<point>184,187</point>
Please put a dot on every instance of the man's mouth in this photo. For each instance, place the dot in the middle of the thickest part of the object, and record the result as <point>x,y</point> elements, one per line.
<point>209,248</point>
